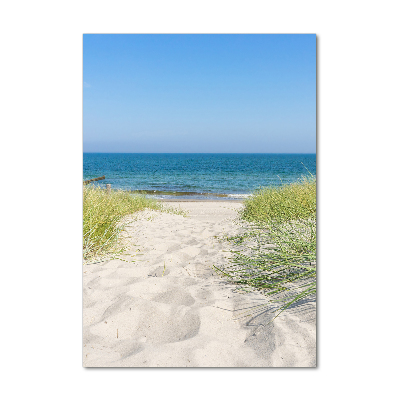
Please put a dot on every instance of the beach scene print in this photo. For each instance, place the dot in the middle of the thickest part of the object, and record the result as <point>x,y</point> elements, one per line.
<point>199,200</point>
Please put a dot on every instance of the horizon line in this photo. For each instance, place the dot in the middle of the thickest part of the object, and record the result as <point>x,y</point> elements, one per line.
<point>125,152</point>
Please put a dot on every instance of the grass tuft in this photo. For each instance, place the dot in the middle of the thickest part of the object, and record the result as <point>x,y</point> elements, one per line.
<point>276,252</point>
<point>288,202</point>
<point>103,220</point>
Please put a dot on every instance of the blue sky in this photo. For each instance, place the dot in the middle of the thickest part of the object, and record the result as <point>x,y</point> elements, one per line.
<point>199,93</point>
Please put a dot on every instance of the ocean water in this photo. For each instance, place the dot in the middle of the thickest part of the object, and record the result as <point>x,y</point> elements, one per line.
<point>197,176</point>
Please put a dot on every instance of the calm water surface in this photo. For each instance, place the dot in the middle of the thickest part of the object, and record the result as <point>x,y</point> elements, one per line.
<point>197,176</point>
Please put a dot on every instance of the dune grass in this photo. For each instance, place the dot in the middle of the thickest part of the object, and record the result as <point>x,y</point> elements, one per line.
<point>103,220</point>
<point>276,252</point>
<point>288,202</point>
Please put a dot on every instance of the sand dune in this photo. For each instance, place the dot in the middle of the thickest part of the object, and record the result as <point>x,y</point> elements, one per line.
<point>170,309</point>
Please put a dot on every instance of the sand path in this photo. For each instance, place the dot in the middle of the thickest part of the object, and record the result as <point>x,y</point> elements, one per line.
<point>170,309</point>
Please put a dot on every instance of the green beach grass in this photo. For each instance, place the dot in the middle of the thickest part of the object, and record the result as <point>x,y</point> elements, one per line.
<point>103,220</point>
<point>276,253</point>
<point>288,202</point>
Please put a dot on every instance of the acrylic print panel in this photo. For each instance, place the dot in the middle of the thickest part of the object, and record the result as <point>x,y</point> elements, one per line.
<point>199,200</point>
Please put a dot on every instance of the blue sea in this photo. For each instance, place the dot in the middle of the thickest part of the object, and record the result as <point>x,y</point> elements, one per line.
<point>196,176</point>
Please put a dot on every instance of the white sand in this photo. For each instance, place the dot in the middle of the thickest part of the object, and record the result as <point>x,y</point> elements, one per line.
<point>140,315</point>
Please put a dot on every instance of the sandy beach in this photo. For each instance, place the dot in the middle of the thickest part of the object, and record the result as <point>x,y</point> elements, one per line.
<point>169,308</point>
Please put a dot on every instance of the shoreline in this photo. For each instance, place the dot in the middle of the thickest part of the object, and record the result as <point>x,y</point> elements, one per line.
<point>200,200</point>
<point>191,196</point>
<point>186,197</point>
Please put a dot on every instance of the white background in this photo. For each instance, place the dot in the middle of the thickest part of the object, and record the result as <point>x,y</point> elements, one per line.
<point>41,168</point>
